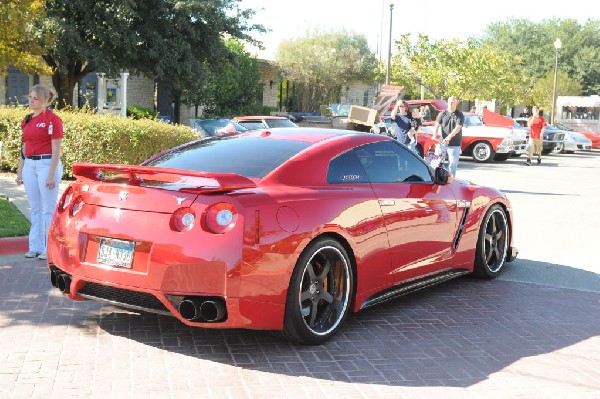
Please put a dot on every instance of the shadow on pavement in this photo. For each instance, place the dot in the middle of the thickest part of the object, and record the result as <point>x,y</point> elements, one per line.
<point>551,274</point>
<point>535,193</point>
<point>456,334</point>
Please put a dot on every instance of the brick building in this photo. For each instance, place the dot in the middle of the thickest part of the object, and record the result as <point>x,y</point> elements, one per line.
<point>157,94</point>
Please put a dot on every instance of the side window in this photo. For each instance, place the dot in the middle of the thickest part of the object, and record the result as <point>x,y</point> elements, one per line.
<point>390,162</point>
<point>346,169</point>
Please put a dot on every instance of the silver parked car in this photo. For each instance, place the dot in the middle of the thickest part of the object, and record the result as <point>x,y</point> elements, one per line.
<point>573,141</point>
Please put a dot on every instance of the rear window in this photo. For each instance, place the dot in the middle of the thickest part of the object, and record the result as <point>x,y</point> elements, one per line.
<point>247,156</point>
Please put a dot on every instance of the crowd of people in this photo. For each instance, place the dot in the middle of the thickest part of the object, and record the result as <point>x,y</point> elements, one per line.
<point>448,128</point>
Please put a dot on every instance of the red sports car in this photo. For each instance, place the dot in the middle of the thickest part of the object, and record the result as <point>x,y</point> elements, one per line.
<point>285,229</point>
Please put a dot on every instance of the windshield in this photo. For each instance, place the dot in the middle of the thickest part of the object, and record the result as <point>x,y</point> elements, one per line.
<point>214,126</point>
<point>246,156</point>
<point>280,123</point>
<point>562,127</point>
<point>473,120</point>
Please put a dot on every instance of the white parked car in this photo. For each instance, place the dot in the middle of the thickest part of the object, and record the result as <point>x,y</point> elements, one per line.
<point>486,143</point>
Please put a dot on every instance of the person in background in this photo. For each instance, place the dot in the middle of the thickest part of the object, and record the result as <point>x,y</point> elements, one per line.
<point>473,109</point>
<point>425,113</point>
<point>40,167</point>
<point>402,117</point>
<point>537,124</point>
<point>450,122</point>
<point>416,124</point>
<point>525,113</point>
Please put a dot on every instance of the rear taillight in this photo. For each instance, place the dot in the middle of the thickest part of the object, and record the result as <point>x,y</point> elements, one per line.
<point>183,219</point>
<point>65,199</point>
<point>220,218</point>
<point>76,206</point>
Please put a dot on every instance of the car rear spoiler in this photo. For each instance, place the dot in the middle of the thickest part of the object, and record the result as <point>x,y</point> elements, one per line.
<point>178,179</point>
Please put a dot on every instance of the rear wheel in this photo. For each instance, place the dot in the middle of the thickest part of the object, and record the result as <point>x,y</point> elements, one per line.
<point>320,293</point>
<point>482,151</point>
<point>492,245</point>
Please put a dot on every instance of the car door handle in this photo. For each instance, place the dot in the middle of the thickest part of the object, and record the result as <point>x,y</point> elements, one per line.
<point>387,202</point>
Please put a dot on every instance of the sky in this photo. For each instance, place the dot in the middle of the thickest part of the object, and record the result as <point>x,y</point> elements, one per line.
<point>436,18</point>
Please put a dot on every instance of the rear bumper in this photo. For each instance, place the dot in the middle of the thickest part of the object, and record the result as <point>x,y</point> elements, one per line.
<point>240,312</point>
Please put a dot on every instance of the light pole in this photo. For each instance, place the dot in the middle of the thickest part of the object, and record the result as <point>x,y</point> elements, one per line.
<point>389,60</point>
<point>557,46</point>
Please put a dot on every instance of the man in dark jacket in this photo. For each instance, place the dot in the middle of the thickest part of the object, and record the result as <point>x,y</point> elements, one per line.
<point>450,122</point>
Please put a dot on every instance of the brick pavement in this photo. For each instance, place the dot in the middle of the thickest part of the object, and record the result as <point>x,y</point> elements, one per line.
<point>464,339</point>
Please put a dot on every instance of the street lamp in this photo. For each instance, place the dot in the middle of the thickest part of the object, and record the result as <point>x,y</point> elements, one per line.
<point>557,46</point>
<point>389,60</point>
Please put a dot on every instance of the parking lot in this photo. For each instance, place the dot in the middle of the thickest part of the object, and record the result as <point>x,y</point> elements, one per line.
<point>533,332</point>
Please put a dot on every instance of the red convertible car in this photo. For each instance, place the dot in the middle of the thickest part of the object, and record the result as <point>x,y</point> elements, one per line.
<point>285,229</point>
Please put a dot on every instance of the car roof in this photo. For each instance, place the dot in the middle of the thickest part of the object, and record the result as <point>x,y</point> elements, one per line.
<point>309,135</point>
<point>252,118</point>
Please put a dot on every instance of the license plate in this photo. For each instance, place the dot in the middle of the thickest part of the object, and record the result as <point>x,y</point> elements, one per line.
<point>115,252</point>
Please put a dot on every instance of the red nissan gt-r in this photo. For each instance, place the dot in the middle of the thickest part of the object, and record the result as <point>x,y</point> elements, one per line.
<point>281,229</point>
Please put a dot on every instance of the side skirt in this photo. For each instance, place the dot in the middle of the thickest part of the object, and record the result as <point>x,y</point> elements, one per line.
<point>412,286</point>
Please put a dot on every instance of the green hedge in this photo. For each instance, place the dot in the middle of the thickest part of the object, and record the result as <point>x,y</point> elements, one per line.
<point>95,138</point>
<point>140,112</point>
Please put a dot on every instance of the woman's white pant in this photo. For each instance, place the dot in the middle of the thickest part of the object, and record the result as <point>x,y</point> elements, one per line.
<point>42,201</point>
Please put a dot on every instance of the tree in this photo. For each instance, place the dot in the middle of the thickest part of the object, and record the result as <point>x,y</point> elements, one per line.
<point>320,64</point>
<point>533,42</point>
<point>159,38</point>
<point>467,70</point>
<point>227,88</point>
<point>19,45</point>
<point>542,92</point>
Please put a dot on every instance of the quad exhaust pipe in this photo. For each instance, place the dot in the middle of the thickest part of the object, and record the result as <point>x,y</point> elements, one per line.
<point>60,280</point>
<point>203,309</point>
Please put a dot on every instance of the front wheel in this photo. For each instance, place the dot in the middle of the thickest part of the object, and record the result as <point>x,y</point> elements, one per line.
<point>482,151</point>
<point>559,149</point>
<point>320,293</point>
<point>492,244</point>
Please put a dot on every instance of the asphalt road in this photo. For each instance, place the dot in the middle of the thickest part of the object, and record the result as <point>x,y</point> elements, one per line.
<point>557,219</point>
<point>533,332</point>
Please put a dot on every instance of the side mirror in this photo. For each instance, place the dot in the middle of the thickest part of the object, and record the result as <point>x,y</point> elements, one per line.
<point>441,176</point>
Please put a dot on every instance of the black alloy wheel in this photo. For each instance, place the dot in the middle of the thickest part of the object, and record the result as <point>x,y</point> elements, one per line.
<point>320,293</point>
<point>492,245</point>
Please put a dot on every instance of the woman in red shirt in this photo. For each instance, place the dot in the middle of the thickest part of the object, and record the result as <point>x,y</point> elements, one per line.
<point>40,168</point>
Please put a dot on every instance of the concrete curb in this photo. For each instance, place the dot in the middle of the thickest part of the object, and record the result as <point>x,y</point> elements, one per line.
<point>13,245</point>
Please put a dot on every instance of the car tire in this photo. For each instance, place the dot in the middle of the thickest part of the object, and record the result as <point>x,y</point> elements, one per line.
<point>482,152</point>
<point>320,293</point>
<point>559,149</point>
<point>492,244</point>
<point>501,157</point>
